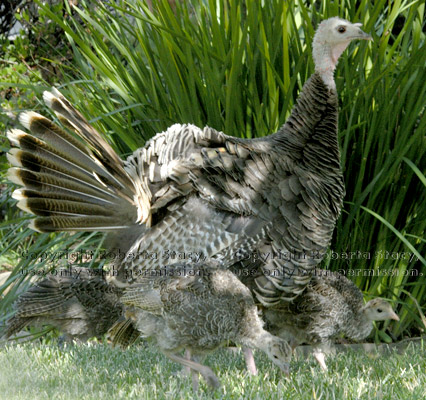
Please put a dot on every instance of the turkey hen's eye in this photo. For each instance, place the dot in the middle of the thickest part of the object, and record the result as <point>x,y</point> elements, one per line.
<point>341,29</point>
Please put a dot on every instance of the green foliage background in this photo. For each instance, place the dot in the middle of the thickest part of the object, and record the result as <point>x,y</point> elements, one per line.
<point>238,66</point>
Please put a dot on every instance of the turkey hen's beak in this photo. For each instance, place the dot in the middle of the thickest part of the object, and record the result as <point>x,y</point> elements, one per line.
<point>364,36</point>
<point>360,34</point>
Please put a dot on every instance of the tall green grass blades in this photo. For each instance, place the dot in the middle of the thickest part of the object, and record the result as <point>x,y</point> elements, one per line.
<point>416,170</point>
<point>413,299</point>
<point>397,233</point>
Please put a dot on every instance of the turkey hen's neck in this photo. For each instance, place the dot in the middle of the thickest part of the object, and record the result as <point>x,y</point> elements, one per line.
<point>310,133</point>
<point>325,59</point>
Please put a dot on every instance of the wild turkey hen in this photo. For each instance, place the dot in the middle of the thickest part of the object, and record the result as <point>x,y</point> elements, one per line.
<point>330,306</point>
<point>197,190</point>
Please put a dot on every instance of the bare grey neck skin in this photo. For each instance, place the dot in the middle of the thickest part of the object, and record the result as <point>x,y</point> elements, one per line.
<point>326,58</point>
<point>317,104</point>
<point>330,41</point>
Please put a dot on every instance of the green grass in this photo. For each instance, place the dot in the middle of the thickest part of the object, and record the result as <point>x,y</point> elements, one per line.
<point>96,371</point>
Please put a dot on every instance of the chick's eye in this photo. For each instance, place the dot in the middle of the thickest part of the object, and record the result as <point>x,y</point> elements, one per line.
<point>341,29</point>
<point>379,310</point>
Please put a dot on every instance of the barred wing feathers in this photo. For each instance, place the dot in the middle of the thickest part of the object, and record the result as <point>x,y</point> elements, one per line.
<point>197,190</point>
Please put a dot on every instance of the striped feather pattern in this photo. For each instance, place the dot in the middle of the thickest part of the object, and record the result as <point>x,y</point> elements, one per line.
<point>75,302</point>
<point>67,182</point>
<point>198,191</point>
<point>123,333</point>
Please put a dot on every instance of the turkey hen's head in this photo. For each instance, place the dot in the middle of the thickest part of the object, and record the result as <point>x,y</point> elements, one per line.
<point>331,39</point>
<point>379,310</point>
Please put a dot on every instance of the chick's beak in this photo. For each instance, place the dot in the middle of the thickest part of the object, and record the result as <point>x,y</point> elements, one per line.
<point>286,369</point>
<point>394,316</point>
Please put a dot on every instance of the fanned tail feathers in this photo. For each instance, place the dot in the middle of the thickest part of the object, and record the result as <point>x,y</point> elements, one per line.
<point>72,178</point>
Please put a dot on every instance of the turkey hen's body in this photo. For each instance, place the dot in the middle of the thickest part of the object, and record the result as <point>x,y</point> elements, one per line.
<point>232,197</point>
<point>193,191</point>
<point>198,193</point>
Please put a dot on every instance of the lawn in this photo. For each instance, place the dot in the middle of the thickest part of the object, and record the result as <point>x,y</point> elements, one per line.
<point>97,371</point>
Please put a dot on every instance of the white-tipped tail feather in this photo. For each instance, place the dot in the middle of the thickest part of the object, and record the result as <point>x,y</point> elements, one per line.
<point>13,176</point>
<point>26,117</point>
<point>14,136</point>
<point>18,194</point>
<point>49,97</point>
<point>72,178</point>
<point>22,204</point>
<point>13,157</point>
